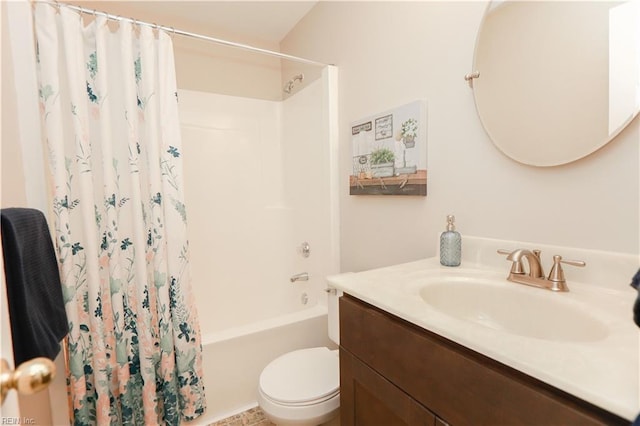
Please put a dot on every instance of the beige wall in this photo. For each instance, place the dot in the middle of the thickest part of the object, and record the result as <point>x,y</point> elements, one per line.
<point>390,53</point>
<point>13,186</point>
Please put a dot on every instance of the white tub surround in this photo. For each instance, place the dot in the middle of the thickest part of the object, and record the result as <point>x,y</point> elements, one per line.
<point>258,183</point>
<point>603,370</point>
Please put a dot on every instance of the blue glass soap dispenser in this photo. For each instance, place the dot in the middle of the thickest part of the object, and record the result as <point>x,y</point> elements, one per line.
<point>450,244</point>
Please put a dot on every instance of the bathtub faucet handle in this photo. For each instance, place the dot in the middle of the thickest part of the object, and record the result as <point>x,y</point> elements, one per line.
<point>303,276</point>
<point>305,249</point>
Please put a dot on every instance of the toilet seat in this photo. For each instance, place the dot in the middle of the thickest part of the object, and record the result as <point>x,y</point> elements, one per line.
<point>302,378</point>
<point>307,415</point>
<point>300,404</point>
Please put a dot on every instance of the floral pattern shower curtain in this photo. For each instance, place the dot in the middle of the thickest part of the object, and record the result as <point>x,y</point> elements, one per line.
<point>109,110</point>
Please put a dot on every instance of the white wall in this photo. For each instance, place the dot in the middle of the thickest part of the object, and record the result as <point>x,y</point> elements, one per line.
<point>390,53</point>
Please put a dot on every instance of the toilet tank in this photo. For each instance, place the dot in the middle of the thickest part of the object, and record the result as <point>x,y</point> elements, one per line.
<point>333,295</point>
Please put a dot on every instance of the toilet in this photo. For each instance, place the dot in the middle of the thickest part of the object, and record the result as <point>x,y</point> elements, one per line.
<point>302,387</point>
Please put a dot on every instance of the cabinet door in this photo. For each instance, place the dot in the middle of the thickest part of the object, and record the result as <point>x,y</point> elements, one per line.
<point>368,399</point>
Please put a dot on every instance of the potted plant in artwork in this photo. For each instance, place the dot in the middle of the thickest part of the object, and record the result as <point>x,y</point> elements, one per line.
<point>382,163</point>
<point>409,131</point>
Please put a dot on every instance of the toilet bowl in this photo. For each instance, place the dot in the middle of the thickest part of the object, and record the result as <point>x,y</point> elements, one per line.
<point>302,388</point>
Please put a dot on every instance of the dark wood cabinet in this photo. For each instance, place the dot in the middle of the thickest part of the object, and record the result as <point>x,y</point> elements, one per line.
<point>395,373</point>
<point>440,422</point>
<point>375,400</point>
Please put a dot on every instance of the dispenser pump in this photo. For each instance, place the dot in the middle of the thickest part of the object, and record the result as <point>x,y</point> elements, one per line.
<point>450,223</point>
<point>450,244</point>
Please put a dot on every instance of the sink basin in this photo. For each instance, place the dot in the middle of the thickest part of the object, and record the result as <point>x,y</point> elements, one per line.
<point>509,308</point>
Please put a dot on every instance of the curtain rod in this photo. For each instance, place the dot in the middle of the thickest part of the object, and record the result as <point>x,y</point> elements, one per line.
<point>172,30</point>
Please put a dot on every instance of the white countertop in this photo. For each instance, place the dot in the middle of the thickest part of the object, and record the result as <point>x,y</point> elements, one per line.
<point>604,372</point>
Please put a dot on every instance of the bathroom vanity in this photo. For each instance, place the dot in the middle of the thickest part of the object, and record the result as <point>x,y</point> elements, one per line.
<point>395,373</point>
<point>407,358</point>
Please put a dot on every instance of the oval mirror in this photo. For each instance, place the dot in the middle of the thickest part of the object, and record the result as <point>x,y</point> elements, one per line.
<point>557,80</point>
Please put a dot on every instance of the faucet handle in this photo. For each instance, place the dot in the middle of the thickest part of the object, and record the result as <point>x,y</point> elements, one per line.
<point>516,266</point>
<point>556,275</point>
<point>580,263</point>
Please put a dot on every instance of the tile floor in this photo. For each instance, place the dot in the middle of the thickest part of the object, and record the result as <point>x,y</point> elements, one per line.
<point>252,417</point>
<point>256,417</point>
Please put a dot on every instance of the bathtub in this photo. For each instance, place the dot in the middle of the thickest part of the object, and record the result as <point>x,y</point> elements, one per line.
<point>234,358</point>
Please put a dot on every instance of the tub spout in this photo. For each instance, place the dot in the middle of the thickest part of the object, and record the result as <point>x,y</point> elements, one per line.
<point>303,276</point>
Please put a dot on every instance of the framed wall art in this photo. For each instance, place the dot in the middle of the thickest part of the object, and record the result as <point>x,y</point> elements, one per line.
<point>389,152</point>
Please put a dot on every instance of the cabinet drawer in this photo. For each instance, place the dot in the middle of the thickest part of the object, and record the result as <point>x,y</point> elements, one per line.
<point>457,384</point>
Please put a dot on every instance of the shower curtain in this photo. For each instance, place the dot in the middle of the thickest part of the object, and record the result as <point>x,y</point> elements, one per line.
<point>108,104</point>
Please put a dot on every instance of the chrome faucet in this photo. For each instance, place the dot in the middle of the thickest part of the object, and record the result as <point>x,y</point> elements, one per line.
<point>535,277</point>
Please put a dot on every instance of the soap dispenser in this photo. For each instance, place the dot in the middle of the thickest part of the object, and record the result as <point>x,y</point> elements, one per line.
<point>450,244</point>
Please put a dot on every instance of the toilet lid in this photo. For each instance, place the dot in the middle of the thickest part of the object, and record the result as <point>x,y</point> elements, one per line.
<point>302,376</point>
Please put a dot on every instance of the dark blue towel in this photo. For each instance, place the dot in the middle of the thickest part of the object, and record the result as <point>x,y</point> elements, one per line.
<point>635,283</point>
<point>34,293</point>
